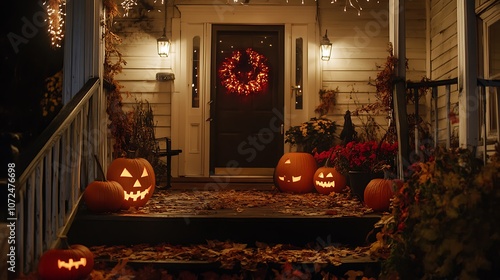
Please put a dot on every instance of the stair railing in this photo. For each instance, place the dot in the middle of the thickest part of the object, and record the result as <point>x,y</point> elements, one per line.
<point>434,85</point>
<point>54,171</point>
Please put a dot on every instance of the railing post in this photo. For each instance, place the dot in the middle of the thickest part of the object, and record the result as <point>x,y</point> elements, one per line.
<point>436,115</point>
<point>417,118</point>
<point>482,97</point>
<point>497,97</point>
<point>48,232</point>
<point>448,124</point>
<point>38,211</point>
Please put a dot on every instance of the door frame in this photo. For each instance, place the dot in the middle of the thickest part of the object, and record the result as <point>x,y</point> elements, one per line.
<point>190,129</point>
<point>278,30</point>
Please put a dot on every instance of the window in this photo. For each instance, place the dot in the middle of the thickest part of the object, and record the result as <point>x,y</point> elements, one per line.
<point>195,87</point>
<point>491,50</point>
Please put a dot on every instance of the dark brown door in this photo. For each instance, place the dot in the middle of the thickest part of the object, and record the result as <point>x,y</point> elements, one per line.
<point>246,125</point>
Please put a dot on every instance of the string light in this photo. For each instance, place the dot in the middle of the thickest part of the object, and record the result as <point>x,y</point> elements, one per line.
<point>354,4</point>
<point>348,3</point>
<point>56,11</point>
<point>128,5</point>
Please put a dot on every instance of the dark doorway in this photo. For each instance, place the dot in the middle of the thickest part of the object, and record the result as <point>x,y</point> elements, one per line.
<point>246,129</point>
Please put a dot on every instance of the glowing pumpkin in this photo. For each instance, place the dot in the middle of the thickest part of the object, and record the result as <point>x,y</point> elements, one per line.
<point>378,194</point>
<point>294,173</point>
<point>71,262</point>
<point>103,196</point>
<point>328,179</point>
<point>137,178</point>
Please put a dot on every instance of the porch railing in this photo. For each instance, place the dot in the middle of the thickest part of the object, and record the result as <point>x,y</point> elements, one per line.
<point>483,85</point>
<point>53,173</point>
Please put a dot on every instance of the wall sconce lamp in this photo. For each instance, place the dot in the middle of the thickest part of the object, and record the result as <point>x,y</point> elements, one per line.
<point>163,43</point>
<point>325,48</point>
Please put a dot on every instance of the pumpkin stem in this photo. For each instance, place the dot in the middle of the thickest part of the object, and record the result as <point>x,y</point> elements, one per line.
<point>327,162</point>
<point>132,154</point>
<point>101,171</point>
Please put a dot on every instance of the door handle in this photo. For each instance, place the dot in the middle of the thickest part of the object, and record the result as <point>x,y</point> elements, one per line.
<point>282,129</point>
<point>209,119</point>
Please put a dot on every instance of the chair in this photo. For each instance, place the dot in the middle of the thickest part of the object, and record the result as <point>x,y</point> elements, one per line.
<point>169,153</point>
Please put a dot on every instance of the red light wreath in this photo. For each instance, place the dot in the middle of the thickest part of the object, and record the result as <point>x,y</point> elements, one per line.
<point>244,73</point>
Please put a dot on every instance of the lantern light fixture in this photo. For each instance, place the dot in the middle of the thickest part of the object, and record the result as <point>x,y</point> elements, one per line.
<point>163,43</point>
<point>325,48</point>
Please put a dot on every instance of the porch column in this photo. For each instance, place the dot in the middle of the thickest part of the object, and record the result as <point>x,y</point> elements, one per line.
<point>398,39</point>
<point>83,49</point>
<point>467,74</point>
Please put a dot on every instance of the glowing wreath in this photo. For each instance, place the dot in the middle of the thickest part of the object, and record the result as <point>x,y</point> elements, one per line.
<point>244,72</point>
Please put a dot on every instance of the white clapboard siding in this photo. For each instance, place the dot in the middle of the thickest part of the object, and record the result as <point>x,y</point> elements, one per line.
<point>139,31</point>
<point>444,61</point>
<point>360,49</point>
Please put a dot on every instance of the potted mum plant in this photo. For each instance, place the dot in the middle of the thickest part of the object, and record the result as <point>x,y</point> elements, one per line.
<point>317,134</point>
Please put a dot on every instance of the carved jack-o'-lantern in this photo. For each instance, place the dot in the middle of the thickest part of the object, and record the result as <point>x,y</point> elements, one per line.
<point>71,262</point>
<point>294,173</point>
<point>137,178</point>
<point>328,179</point>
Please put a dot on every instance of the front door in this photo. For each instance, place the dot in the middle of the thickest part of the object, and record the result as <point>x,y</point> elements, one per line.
<point>246,111</point>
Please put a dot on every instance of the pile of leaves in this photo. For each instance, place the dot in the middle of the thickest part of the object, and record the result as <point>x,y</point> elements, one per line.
<point>174,202</point>
<point>123,271</point>
<point>230,255</point>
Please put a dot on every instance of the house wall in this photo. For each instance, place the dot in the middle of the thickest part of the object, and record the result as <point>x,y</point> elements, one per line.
<point>139,31</point>
<point>444,60</point>
<point>360,48</point>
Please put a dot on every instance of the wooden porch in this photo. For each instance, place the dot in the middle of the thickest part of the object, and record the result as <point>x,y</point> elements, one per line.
<point>48,199</point>
<point>261,228</point>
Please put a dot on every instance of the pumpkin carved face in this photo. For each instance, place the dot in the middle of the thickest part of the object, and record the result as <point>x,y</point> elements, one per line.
<point>328,179</point>
<point>75,262</point>
<point>137,178</point>
<point>294,173</point>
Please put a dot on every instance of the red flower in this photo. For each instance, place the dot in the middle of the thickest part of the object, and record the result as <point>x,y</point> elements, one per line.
<point>360,155</point>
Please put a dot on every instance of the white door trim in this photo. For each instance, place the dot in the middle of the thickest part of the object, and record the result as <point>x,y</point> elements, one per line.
<point>204,16</point>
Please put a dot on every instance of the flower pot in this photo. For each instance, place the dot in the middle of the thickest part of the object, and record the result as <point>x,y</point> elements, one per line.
<point>358,181</point>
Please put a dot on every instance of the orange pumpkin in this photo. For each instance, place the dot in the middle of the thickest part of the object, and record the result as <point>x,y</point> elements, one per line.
<point>294,173</point>
<point>71,262</point>
<point>103,196</point>
<point>378,194</point>
<point>137,178</point>
<point>328,179</point>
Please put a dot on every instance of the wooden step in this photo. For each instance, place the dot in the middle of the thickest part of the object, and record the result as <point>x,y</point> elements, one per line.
<point>188,217</point>
<point>203,270</point>
<point>248,228</point>
<point>182,217</point>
